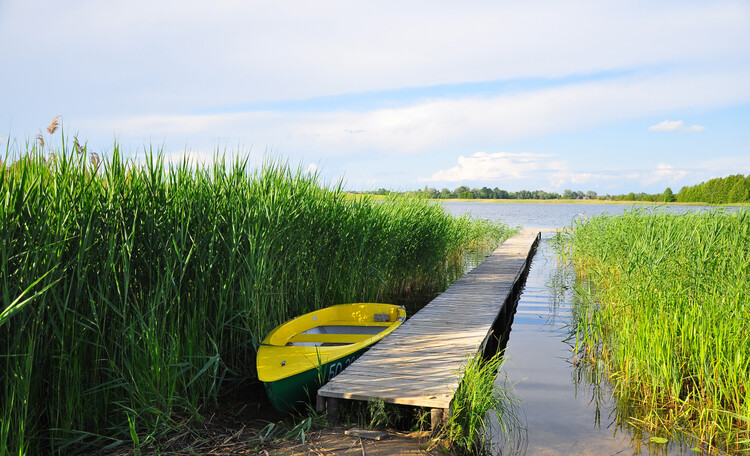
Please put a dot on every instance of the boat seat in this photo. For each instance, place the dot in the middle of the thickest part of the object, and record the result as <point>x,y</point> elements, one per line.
<point>330,338</point>
<point>359,323</point>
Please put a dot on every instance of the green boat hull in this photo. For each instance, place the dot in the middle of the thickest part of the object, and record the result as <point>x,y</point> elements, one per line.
<point>294,392</point>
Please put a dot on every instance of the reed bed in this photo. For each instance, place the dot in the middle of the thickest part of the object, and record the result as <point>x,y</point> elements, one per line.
<point>134,293</point>
<point>665,304</point>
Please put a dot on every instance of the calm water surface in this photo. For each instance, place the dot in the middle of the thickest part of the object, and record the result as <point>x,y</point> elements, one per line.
<point>550,215</point>
<point>567,411</point>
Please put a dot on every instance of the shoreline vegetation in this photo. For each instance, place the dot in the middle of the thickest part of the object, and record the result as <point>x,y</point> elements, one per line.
<point>135,294</point>
<point>663,311</point>
<point>557,201</point>
<point>733,189</point>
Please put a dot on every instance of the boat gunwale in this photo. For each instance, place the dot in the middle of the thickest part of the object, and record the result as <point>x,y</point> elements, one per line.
<point>305,358</point>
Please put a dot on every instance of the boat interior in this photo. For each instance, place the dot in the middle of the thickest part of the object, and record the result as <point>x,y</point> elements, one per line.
<point>331,335</point>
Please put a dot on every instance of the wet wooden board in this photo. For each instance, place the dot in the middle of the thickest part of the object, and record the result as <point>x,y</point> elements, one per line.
<point>419,364</point>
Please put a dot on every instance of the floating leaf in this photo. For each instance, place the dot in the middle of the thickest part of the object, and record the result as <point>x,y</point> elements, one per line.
<point>658,440</point>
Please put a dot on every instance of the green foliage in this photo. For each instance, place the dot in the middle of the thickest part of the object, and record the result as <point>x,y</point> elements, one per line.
<point>464,192</point>
<point>724,190</point>
<point>658,197</point>
<point>668,196</point>
<point>133,293</point>
<point>668,314</point>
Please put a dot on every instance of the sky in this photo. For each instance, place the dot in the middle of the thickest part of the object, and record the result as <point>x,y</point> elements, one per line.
<point>606,96</point>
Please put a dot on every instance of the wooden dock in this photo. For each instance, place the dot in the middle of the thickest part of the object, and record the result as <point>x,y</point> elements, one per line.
<point>418,364</point>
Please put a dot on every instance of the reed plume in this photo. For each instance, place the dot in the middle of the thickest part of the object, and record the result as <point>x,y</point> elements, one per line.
<point>77,145</point>
<point>53,125</point>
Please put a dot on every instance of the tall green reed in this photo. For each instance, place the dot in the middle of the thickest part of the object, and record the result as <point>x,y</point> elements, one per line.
<point>469,429</point>
<point>665,302</point>
<point>135,292</point>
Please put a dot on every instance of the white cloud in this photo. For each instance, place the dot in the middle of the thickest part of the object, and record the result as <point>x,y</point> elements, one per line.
<point>312,168</point>
<point>504,118</point>
<point>184,77</point>
<point>668,172</point>
<point>562,179</point>
<point>539,168</point>
<point>195,158</point>
<point>674,125</point>
<point>664,173</point>
<point>443,123</point>
<point>235,52</point>
<point>483,166</point>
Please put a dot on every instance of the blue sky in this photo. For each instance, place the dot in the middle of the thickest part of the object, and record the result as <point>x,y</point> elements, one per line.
<point>585,95</point>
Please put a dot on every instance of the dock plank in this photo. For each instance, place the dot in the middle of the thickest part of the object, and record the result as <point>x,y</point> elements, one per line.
<point>419,364</point>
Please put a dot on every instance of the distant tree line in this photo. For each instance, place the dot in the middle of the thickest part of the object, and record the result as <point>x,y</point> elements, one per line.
<point>723,190</point>
<point>667,197</point>
<point>464,192</point>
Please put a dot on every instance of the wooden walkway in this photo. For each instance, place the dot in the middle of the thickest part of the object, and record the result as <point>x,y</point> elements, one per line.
<point>418,364</point>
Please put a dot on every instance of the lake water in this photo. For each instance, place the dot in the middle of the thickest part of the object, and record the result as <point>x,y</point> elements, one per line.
<point>567,410</point>
<point>551,215</point>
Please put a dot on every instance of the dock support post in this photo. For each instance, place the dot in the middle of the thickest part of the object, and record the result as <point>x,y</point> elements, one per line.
<point>333,409</point>
<point>438,418</point>
<point>330,404</point>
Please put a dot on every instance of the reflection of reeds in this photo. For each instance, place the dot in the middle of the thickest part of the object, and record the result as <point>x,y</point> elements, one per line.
<point>154,281</point>
<point>674,319</point>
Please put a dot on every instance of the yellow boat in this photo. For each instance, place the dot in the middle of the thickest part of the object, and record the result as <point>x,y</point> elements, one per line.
<point>299,356</point>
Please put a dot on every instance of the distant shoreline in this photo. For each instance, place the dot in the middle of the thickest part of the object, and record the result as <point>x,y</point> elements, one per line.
<point>576,201</point>
<point>561,201</point>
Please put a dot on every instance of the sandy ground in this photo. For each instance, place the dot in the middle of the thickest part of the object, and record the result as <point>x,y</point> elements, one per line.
<point>333,441</point>
<point>327,441</point>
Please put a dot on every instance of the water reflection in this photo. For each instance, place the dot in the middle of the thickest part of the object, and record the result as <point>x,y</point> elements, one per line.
<point>567,400</point>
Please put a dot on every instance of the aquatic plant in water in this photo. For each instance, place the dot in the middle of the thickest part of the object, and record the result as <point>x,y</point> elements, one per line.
<point>468,429</point>
<point>665,305</point>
